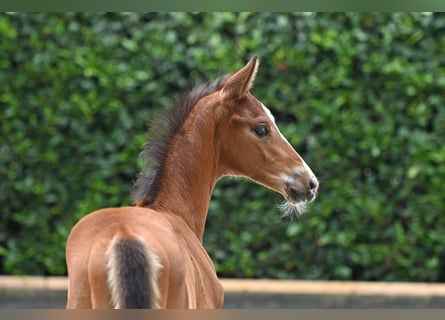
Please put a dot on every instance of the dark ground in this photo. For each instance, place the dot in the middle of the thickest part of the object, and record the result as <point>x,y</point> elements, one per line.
<point>57,298</point>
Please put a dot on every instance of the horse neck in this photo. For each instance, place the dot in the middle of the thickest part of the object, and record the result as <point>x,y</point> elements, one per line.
<point>191,172</point>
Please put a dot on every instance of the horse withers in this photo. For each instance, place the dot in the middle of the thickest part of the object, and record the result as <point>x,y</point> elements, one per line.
<point>151,255</point>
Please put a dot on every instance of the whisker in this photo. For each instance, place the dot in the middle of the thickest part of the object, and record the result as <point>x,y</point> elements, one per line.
<point>290,210</point>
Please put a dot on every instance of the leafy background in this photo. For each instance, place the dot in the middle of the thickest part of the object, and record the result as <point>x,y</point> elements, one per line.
<point>360,96</point>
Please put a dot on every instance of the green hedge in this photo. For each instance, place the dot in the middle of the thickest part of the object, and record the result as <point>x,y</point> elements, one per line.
<point>360,96</point>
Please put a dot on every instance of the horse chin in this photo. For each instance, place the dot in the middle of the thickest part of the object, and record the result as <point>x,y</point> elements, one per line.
<point>291,210</point>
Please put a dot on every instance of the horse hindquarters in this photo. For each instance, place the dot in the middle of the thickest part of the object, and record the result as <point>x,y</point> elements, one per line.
<point>132,272</point>
<point>111,253</point>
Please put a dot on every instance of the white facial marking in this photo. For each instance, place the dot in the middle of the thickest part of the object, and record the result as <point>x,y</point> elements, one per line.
<point>270,115</point>
<point>288,209</point>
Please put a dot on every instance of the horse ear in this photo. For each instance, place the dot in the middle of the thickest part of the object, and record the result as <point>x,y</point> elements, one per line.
<point>240,83</point>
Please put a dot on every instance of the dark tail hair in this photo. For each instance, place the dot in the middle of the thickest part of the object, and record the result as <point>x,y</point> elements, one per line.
<point>132,275</point>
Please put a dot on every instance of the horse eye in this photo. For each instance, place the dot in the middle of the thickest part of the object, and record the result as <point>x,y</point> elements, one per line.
<point>261,130</point>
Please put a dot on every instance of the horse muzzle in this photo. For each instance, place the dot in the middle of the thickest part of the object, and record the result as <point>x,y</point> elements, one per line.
<point>301,188</point>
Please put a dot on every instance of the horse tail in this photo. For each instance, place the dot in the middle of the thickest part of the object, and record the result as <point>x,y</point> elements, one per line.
<point>132,273</point>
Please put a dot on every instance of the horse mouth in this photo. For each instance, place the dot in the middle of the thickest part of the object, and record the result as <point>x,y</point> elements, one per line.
<point>295,203</point>
<point>296,196</point>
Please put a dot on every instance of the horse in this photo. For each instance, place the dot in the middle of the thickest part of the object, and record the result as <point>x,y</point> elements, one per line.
<point>151,254</point>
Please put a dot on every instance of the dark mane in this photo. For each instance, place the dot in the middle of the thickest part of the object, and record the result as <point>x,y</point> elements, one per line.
<point>162,128</point>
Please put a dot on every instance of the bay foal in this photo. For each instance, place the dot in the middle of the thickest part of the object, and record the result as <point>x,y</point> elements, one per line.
<point>151,255</point>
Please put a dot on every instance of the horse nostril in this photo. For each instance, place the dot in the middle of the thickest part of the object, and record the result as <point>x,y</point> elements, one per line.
<point>313,184</point>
